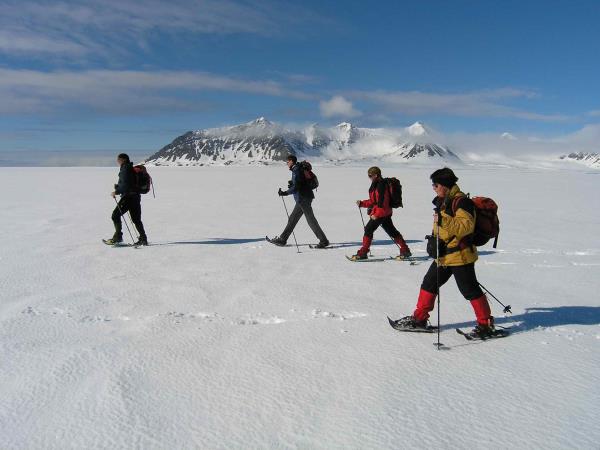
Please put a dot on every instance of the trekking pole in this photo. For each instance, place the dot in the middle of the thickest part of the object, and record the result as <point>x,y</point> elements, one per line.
<point>364,226</point>
<point>124,219</point>
<point>438,344</point>
<point>132,225</point>
<point>506,308</point>
<point>288,216</point>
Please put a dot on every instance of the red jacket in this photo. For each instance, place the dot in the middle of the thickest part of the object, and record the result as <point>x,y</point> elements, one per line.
<point>379,199</point>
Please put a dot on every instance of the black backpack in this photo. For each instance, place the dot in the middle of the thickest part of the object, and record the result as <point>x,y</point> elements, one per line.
<point>395,191</point>
<point>309,179</point>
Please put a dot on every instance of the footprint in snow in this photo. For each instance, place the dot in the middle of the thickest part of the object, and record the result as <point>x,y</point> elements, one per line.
<point>317,313</point>
<point>259,320</point>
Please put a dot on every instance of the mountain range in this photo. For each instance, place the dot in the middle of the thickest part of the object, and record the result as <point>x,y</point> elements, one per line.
<point>587,158</point>
<point>261,142</point>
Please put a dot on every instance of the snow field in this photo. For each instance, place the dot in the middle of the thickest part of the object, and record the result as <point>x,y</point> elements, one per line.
<point>213,338</point>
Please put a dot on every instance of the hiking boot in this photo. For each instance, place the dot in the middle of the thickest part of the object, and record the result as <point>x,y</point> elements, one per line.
<point>411,323</point>
<point>358,257</point>
<point>141,241</point>
<point>322,244</point>
<point>483,330</point>
<point>278,241</point>
<point>404,253</point>
<point>116,239</point>
<point>112,241</point>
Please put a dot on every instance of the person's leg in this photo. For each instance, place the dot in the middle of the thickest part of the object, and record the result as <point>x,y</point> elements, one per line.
<point>370,228</point>
<point>306,206</point>
<point>429,290</point>
<point>393,232</point>
<point>135,209</point>
<point>292,222</point>
<point>466,279</point>
<point>119,210</point>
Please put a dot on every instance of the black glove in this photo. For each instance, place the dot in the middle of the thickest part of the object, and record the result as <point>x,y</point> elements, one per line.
<point>290,182</point>
<point>281,193</point>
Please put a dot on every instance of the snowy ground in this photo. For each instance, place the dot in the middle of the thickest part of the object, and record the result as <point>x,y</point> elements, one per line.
<point>211,338</point>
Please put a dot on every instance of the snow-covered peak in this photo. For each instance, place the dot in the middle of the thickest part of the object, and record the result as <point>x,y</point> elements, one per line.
<point>261,122</point>
<point>346,126</point>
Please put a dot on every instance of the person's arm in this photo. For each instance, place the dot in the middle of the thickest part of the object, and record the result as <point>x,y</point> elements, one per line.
<point>463,222</point>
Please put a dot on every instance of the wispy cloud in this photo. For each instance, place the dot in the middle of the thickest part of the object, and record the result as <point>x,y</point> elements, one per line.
<point>338,106</point>
<point>101,27</point>
<point>113,91</point>
<point>472,104</point>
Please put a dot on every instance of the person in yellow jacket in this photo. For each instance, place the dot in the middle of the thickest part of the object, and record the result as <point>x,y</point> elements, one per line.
<point>454,219</point>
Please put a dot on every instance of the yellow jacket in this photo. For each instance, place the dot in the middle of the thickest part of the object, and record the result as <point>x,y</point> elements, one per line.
<point>454,227</point>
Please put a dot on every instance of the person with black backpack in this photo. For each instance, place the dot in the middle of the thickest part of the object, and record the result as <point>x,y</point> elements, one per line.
<point>301,187</point>
<point>127,188</point>
<point>452,245</point>
<point>379,210</point>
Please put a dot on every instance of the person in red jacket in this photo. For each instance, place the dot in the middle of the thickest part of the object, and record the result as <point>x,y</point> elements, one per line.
<point>380,213</point>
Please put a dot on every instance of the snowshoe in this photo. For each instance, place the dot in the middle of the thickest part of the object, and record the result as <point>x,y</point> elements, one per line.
<point>483,332</point>
<point>358,257</point>
<point>323,244</point>
<point>410,324</point>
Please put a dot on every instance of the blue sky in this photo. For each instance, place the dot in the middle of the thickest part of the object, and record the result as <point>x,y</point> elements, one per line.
<point>102,76</point>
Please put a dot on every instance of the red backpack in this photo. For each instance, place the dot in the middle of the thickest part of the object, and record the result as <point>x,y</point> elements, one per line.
<point>487,224</point>
<point>143,180</point>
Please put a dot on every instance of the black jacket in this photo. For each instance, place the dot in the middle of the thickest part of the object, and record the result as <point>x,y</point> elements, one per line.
<point>126,184</point>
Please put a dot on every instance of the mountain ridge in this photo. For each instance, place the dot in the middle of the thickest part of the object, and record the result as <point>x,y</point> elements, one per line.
<point>262,142</point>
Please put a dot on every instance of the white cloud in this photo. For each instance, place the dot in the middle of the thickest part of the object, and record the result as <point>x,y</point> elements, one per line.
<point>28,91</point>
<point>471,104</point>
<point>594,113</point>
<point>586,139</point>
<point>103,28</point>
<point>338,106</point>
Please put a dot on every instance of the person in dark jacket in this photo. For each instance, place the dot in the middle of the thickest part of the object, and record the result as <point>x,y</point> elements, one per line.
<point>453,224</point>
<point>380,214</point>
<point>130,201</point>
<point>303,195</point>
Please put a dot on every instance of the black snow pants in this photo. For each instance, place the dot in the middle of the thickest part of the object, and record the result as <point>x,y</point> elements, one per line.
<point>132,203</point>
<point>386,223</point>
<point>465,277</point>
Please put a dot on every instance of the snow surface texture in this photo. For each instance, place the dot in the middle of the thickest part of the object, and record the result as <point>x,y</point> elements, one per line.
<point>212,338</point>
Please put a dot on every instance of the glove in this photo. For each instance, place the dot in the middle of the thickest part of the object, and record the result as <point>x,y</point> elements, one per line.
<point>290,182</point>
<point>281,193</point>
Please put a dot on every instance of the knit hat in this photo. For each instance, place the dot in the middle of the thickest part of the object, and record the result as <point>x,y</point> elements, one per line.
<point>124,157</point>
<point>445,177</point>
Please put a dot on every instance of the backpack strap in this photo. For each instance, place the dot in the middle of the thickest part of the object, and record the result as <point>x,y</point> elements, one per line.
<point>466,241</point>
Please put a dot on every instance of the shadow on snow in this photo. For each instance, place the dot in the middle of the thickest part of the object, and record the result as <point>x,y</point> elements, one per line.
<point>540,317</point>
